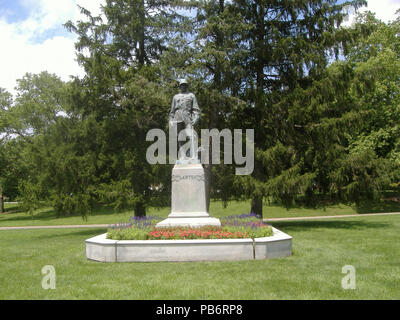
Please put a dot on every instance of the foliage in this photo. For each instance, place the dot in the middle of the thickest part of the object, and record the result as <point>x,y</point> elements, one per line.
<point>127,234</point>
<point>376,86</point>
<point>323,100</point>
<point>254,58</point>
<point>336,133</point>
<point>124,96</point>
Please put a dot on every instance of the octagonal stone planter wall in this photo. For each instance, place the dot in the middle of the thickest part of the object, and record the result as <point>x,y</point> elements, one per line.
<point>101,249</point>
<point>279,245</point>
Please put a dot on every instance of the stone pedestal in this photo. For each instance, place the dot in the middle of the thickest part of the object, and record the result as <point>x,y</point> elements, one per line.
<point>189,203</point>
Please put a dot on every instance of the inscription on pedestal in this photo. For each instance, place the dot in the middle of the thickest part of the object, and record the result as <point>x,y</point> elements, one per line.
<point>198,177</point>
<point>188,189</point>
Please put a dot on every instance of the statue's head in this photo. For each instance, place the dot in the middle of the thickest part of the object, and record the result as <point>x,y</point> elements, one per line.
<point>183,85</point>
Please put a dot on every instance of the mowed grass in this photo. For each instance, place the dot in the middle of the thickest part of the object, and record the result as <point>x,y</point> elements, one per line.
<point>106,215</point>
<point>320,250</point>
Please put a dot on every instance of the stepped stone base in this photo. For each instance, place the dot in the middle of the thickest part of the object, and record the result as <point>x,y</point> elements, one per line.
<point>189,222</point>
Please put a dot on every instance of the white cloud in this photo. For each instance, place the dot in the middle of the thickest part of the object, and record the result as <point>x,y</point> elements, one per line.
<point>384,10</point>
<point>21,52</point>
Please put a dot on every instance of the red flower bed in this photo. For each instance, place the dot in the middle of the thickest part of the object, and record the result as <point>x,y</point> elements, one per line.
<point>188,233</point>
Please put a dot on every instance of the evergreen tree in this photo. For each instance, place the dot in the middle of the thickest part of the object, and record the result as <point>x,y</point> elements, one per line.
<point>208,52</point>
<point>290,43</point>
<point>124,96</point>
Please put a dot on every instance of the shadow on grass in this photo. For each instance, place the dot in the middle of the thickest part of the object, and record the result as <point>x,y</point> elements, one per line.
<point>14,208</point>
<point>44,214</point>
<point>49,214</point>
<point>88,233</point>
<point>374,207</point>
<point>288,226</point>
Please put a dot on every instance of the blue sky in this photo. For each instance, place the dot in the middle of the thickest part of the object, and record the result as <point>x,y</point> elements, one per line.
<point>33,39</point>
<point>13,11</point>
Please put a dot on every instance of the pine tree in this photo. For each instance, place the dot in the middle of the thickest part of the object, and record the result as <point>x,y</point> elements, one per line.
<point>125,96</point>
<point>290,43</point>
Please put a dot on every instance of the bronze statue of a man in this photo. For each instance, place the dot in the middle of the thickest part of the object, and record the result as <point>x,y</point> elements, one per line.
<point>185,113</point>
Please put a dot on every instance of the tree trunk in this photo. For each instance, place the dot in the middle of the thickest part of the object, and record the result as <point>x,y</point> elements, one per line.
<point>141,55</point>
<point>140,210</point>
<point>1,200</point>
<point>208,167</point>
<point>257,206</point>
<point>213,113</point>
<point>207,172</point>
<point>257,200</point>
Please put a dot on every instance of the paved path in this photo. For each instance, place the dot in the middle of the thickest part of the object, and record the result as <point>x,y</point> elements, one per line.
<point>58,227</point>
<point>337,216</point>
<point>267,220</point>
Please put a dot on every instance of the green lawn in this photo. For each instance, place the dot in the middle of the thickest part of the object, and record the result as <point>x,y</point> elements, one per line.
<point>320,249</point>
<point>47,216</point>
